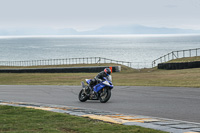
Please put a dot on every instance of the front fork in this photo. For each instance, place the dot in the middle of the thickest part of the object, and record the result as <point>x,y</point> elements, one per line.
<point>103,92</point>
<point>84,87</point>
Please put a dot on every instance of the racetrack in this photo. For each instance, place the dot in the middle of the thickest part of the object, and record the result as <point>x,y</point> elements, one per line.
<point>167,102</point>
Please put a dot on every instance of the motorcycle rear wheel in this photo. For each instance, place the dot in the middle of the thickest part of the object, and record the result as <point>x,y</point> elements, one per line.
<point>82,96</point>
<point>104,98</point>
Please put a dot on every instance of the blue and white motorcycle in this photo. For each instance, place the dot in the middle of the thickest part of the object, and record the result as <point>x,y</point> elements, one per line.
<point>102,90</point>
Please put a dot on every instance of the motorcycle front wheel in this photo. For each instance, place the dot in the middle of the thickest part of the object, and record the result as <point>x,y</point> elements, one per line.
<point>105,95</point>
<point>82,96</point>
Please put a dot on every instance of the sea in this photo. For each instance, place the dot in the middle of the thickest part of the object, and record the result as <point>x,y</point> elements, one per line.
<point>132,48</point>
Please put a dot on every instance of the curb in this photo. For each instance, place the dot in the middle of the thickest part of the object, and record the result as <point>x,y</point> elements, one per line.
<point>173,126</point>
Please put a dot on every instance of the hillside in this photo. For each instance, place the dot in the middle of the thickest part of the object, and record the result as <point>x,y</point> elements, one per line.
<point>105,30</point>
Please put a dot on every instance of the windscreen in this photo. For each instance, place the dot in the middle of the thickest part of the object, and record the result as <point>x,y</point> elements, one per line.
<point>109,78</point>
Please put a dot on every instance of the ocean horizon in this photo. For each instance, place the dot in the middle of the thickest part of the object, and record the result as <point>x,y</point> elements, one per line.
<point>140,48</point>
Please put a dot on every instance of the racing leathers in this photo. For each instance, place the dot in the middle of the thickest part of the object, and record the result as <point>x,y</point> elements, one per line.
<point>100,77</point>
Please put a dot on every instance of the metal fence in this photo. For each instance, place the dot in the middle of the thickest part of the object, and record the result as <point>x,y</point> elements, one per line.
<point>177,54</point>
<point>71,61</point>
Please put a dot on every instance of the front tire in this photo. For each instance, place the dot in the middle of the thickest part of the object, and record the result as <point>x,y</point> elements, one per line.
<point>105,97</point>
<point>82,96</point>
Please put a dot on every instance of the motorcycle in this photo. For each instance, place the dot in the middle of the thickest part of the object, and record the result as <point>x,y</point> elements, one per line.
<point>102,91</point>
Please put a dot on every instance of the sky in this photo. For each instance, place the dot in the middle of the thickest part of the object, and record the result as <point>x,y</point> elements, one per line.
<point>91,14</point>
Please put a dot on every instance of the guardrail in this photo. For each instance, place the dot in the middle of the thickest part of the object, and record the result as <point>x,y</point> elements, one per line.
<point>176,54</point>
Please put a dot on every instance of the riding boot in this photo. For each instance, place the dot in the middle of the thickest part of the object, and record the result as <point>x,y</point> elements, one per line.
<point>93,95</point>
<point>92,92</point>
<point>91,86</point>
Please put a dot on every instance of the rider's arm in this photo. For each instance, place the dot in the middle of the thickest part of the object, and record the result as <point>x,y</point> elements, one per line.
<point>100,77</point>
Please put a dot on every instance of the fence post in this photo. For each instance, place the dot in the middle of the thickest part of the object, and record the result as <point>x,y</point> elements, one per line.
<point>168,56</point>
<point>153,63</point>
<point>196,52</point>
<point>99,60</point>
<point>173,55</point>
<point>177,54</point>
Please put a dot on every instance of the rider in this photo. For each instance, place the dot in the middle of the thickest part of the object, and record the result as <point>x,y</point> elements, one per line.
<point>99,78</point>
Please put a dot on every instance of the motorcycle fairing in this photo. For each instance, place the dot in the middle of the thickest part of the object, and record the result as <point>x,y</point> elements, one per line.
<point>98,87</point>
<point>88,81</point>
<point>101,85</point>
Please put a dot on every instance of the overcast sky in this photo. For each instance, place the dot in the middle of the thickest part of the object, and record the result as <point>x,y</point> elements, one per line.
<point>91,14</point>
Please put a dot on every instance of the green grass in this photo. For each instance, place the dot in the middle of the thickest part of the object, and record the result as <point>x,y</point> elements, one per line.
<point>25,120</point>
<point>15,119</point>
<point>176,78</point>
<point>185,59</point>
<point>127,77</point>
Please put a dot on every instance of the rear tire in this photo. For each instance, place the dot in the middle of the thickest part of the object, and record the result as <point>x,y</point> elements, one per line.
<point>105,97</point>
<point>82,96</point>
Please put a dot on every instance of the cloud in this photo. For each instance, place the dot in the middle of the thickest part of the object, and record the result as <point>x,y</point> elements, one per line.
<point>90,14</point>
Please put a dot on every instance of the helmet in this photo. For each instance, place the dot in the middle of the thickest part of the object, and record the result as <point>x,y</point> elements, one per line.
<point>107,71</point>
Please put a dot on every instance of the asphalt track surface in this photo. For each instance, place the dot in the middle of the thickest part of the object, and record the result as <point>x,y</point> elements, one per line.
<point>176,103</point>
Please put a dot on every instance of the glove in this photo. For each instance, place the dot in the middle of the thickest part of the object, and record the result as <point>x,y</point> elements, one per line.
<point>99,80</point>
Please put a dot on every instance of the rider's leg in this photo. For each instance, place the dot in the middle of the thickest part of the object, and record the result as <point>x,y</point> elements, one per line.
<point>92,83</point>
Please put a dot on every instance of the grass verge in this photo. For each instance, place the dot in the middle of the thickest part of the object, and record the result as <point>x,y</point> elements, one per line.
<point>185,59</point>
<point>128,77</point>
<point>19,119</point>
